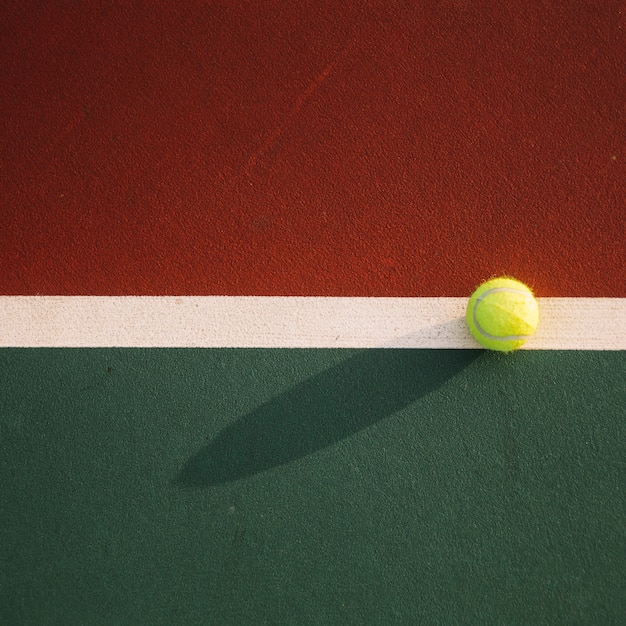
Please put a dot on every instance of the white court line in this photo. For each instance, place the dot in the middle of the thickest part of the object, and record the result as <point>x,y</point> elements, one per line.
<point>290,322</point>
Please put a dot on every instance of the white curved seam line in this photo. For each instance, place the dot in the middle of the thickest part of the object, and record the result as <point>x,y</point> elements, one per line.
<point>482,331</point>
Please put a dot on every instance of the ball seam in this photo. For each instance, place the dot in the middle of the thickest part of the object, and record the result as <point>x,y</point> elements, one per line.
<point>489,292</point>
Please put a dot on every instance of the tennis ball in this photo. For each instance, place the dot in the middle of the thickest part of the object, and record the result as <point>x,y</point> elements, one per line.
<point>502,313</point>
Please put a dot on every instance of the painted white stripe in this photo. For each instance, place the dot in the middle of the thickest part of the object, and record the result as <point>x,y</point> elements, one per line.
<point>290,322</point>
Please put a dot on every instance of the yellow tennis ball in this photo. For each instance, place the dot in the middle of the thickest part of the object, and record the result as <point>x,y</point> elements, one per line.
<point>502,313</point>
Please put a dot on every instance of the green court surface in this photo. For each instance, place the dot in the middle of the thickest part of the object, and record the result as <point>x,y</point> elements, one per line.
<point>312,487</point>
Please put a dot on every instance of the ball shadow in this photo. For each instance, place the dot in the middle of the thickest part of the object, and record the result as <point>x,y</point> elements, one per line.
<point>321,411</point>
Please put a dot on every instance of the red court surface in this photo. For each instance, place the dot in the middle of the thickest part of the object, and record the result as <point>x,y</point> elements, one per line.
<point>312,148</point>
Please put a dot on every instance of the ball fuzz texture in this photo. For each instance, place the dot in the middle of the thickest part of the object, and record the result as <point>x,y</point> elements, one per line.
<point>501,314</point>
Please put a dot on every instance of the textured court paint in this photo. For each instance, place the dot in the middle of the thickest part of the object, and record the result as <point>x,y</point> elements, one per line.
<point>317,148</point>
<point>354,487</point>
<point>335,148</point>
<point>290,322</point>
